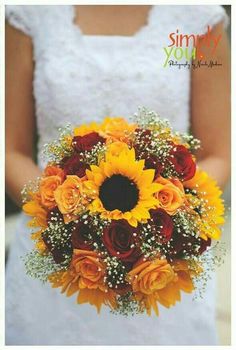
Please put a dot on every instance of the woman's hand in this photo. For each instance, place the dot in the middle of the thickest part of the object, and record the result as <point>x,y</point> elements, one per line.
<point>210,110</point>
<point>20,116</point>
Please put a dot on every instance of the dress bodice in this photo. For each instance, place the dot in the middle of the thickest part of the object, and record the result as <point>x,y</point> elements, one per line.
<point>79,78</point>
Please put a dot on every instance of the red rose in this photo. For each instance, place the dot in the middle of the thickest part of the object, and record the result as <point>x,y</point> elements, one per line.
<point>59,254</point>
<point>123,288</point>
<point>185,244</point>
<point>74,166</point>
<point>162,224</point>
<point>152,162</point>
<point>87,142</point>
<point>60,250</point>
<point>55,215</point>
<point>142,141</point>
<point>143,136</point>
<point>181,244</point>
<point>80,237</point>
<point>204,245</point>
<point>120,241</point>
<point>183,162</point>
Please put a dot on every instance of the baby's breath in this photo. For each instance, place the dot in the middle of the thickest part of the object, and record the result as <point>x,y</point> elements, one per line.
<point>56,150</point>
<point>40,266</point>
<point>31,187</point>
<point>116,272</point>
<point>148,119</point>
<point>209,261</point>
<point>127,306</point>
<point>96,154</point>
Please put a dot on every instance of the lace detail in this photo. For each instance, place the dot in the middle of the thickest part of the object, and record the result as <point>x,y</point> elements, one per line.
<point>77,79</point>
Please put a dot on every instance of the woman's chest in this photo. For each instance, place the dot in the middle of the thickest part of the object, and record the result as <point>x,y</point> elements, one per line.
<point>79,78</point>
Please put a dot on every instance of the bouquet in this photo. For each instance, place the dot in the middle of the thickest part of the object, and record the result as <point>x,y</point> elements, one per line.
<point>122,216</point>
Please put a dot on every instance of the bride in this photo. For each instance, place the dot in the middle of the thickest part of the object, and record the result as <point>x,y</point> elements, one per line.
<point>75,64</point>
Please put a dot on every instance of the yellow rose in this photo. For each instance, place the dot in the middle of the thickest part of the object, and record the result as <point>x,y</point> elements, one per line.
<point>68,196</point>
<point>48,186</point>
<point>171,195</point>
<point>151,276</point>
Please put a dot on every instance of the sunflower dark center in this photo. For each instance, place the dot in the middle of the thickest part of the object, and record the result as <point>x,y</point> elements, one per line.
<point>119,192</point>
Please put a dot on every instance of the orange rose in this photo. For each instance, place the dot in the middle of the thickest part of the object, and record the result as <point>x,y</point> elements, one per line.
<point>171,195</point>
<point>183,281</point>
<point>68,196</point>
<point>116,129</point>
<point>85,277</point>
<point>89,268</point>
<point>151,276</point>
<point>47,187</point>
<point>90,271</point>
<point>157,281</point>
<point>51,170</point>
<point>185,274</point>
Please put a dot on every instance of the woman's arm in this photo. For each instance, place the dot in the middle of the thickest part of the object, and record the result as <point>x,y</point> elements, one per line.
<point>20,121</point>
<point>210,110</point>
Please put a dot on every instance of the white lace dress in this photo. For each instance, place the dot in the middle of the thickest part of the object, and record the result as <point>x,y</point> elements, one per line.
<point>79,78</point>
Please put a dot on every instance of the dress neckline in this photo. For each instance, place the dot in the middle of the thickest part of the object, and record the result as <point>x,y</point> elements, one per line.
<point>104,36</point>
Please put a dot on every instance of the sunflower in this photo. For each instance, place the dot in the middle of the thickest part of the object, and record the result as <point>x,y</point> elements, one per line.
<point>33,208</point>
<point>211,204</point>
<point>120,188</point>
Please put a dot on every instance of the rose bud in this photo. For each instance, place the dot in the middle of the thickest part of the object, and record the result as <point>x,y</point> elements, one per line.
<point>80,237</point>
<point>120,241</point>
<point>86,142</point>
<point>74,166</point>
<point>183,162</point>
<point>161,224</point>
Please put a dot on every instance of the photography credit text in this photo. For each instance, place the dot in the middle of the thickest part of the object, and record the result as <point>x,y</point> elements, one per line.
<point>190,46</point>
